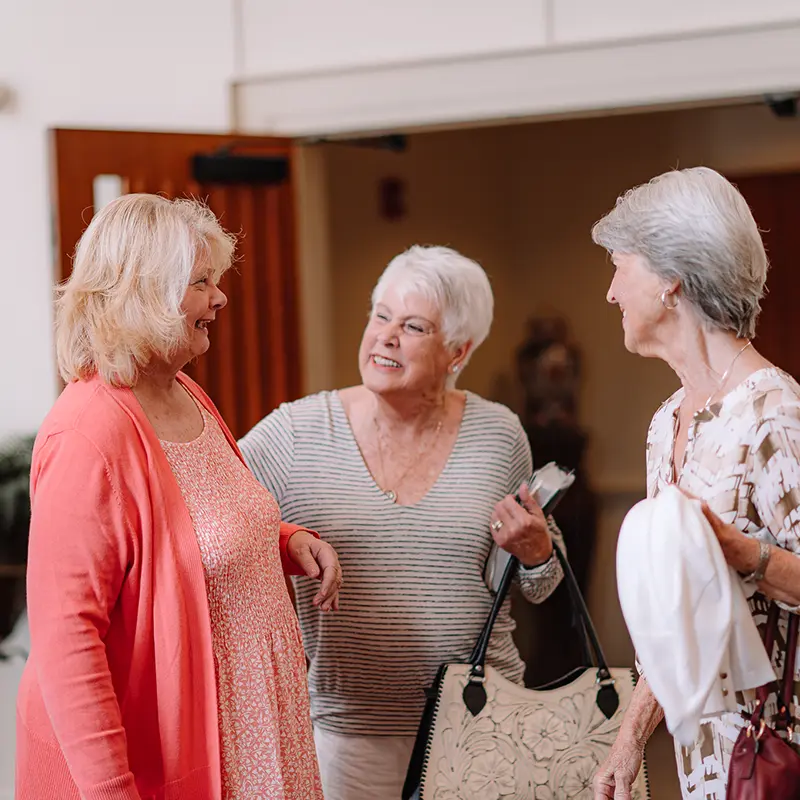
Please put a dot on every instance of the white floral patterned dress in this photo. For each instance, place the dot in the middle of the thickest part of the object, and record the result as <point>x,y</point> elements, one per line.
<point>267,744</point>
<point>743,459</point>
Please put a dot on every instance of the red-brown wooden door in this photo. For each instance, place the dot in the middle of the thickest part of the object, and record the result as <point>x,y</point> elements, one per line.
<point>775,202</point>
<point>253,363</point>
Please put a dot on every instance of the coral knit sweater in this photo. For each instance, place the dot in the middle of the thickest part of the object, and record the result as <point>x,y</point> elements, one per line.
<point>118,700</point>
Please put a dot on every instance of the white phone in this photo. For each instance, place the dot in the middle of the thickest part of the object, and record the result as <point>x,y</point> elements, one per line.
<point>547,485</point>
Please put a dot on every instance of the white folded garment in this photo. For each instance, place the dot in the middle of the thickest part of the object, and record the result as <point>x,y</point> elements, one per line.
<point>686,613</point>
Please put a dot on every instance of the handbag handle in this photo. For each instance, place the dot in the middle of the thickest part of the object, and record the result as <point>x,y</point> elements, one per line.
<point>475,695</point>
<point>478,656</point>
<point>786,688</point>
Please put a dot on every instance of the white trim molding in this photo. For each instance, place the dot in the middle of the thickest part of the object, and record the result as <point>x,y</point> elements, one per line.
<point>545,82</point>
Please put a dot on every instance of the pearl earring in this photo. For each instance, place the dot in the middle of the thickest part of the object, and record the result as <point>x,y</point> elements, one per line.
<point>455,368</point>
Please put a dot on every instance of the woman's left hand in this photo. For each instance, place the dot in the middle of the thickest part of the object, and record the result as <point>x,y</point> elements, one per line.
<point>319,560</point>
<point>522,529</point>
<point>740,551</point>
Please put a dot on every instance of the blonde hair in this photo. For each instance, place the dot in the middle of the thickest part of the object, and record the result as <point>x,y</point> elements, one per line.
<point>121,307</point>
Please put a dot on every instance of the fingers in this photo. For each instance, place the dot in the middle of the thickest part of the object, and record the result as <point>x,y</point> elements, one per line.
<point>328,595</point>
<point>713,519</point>
<point>327,598</point>
<point>304,558</point>
<point>527,499</point>
<point>622,791</point>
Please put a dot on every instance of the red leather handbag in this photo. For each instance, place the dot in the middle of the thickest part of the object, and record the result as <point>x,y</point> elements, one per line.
<point>763,765</point>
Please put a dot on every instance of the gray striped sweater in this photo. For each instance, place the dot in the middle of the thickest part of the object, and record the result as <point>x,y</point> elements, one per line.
<point>414,594</point>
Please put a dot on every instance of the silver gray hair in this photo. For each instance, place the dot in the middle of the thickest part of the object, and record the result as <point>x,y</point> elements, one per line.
<point>694,226</point>
<point>455,284</point>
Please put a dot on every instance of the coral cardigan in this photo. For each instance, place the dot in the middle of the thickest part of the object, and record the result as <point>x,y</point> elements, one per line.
<point>118,700</point>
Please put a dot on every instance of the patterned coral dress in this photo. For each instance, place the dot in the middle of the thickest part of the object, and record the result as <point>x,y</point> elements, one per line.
<point>743,459</point>
<point>266,739</point>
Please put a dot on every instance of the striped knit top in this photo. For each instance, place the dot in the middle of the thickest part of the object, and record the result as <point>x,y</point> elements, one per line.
<point>414,595</point>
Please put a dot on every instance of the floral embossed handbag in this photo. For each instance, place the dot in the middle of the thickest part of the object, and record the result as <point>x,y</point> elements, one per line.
<point>483,737</point>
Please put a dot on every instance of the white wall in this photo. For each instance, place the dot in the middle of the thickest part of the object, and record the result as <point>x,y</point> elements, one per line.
<point>152,64</point>
<point>371,65</point>
<point>303,35</point>
<point>602,20</point>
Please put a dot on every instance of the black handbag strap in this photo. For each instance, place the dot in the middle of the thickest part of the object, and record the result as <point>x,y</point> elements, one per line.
<point>478,657</point>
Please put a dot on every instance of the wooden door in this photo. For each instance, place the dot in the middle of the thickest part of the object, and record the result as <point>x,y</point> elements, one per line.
<point>775,202</point>
<point>253,363</point>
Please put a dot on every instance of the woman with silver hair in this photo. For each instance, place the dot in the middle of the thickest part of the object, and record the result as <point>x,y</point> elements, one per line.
<point>690,271</point>
<point>411,480</point>
<point>166,659</point>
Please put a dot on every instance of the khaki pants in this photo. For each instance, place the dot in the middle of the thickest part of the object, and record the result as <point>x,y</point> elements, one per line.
<point>362,767</point>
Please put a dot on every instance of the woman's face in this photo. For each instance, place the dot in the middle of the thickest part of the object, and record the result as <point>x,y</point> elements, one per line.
<point>403,347</point>
<point>200,304</point>
<point>637,290</point>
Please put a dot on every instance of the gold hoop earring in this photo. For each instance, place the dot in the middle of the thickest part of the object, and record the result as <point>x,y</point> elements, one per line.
<point>664,295</point>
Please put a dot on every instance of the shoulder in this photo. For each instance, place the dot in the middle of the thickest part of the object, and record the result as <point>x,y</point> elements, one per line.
<point>491,417</point>
<point>95,411</point>
<point>661,422</point>
<point>90,422</point>
<point>305,409</point>
<point>290,417</point>
<point>774,397</point>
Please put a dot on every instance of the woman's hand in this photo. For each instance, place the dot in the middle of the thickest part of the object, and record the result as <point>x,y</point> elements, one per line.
<point>615,776</point>
<point>319,560</point>
<point>522,529</point>
<point>740,551</point>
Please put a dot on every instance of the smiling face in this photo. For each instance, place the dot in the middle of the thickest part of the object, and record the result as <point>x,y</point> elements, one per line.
<point>637,290</point>
<point>200,304</point>
<point>403,347</point>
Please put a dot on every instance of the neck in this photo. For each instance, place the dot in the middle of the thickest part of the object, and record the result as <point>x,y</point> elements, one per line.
<point>157,379</point>
<point>410,411</point>
<point>704,360</point>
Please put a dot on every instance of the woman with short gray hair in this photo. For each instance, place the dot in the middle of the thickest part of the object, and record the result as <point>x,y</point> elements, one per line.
<point>690,272</point>
<point>412,481</point>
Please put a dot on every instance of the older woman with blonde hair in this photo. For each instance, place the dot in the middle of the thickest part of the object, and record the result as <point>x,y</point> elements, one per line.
<point>689,274</point>
<point>412,480</point>
<point>166,659</point>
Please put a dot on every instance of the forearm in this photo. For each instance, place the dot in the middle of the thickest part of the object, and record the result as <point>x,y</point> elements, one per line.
<point>538,582</point>
<point>782,577</point>
<point>643,716</point>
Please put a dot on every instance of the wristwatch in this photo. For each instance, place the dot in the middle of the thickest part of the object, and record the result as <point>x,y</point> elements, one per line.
<point>764,552</point>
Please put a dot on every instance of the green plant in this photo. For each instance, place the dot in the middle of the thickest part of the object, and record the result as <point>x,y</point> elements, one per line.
<point>15,517</point>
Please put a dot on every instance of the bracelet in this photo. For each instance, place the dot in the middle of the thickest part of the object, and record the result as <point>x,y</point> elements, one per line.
<point>764,553</point>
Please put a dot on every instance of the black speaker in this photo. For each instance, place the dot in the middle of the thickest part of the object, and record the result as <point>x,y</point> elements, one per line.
<point>232,168</point>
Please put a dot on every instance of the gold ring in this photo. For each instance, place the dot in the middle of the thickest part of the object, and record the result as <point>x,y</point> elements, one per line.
<point>496,525</point>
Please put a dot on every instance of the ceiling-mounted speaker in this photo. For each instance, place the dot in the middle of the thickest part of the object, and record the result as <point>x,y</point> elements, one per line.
<point>226,167</point>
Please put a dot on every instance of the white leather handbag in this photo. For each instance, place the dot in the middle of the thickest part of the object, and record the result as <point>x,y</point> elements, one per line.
<point>483,737</point>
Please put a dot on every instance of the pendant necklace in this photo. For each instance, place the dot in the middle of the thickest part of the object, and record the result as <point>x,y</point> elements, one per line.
<point>391,493</point>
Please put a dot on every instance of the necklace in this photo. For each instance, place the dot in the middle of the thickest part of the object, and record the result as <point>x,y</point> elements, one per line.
<point>725,375</point>
<point>390,493</point>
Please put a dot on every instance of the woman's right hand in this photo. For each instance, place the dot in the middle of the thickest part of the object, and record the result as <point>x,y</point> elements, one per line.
<point>615,776</point>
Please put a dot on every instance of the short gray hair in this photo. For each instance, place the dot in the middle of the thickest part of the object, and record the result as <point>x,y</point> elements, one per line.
<point>121,306</point>
<point>455,284</point>
<point>694,226</point>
